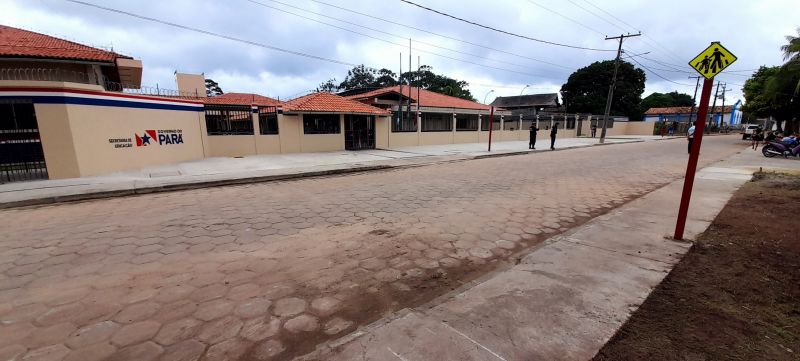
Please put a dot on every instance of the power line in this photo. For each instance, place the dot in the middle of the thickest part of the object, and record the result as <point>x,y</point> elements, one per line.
<point>210,33</point>
<point>657,74</point>
<point>566,17</point>
<point>393,43</point>
<point>373,29</point>
<point>501,31</point>
<point>429,32</point>
<point>598,16</point>
<point>654,43</point>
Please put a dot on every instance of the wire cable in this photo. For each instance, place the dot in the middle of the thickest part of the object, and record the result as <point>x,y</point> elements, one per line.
<point>502,31</point>
<point>657,74</point>
<point>396,44</point>
<point>568,18</point>
<point>429,32</point>
<point>373,29</point>
<point>210,33</point>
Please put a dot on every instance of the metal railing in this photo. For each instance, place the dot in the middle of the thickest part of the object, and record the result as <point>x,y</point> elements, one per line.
<point>70,76</point>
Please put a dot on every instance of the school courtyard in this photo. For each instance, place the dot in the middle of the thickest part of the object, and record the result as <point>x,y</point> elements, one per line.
<point>273,270</point>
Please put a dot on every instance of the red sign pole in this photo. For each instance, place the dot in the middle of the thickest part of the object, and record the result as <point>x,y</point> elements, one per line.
<point>700,125</point>
<point>491,125</point>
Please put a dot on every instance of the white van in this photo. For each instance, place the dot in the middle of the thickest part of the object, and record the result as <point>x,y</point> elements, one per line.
<point>748,130</point>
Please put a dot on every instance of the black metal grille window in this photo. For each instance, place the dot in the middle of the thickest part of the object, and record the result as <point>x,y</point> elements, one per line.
<point>321,124</point>
<point>466,122</point>
<point>268,120</point>
<point>21,154</point>
<point>485,122</point>
<point>570,122</point>
<point>527,121</point>
<point>405,124</point>
<point>511,123</point>
<point>359,132</point>
<point>437,122</point>
<point>229,119</point>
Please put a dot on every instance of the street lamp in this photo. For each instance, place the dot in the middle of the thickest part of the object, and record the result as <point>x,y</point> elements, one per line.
<point>487,94</point>
<point>523,89</point>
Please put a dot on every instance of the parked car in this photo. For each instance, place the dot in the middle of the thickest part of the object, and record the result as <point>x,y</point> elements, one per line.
<point>748,130</point>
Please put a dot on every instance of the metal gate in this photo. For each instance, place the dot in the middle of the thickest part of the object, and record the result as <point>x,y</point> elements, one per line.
<point>21,155</point>
<point>359,132</point>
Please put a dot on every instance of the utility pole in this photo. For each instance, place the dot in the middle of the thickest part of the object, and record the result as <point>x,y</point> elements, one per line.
<point>613,83</point>
<point>714,105</point>
<point>694,98</point>
<point>722,111</point>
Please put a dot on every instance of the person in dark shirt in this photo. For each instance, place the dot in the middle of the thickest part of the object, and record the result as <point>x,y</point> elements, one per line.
<point>594,130</point>
<point>553,133</point>
<point>532,143</point>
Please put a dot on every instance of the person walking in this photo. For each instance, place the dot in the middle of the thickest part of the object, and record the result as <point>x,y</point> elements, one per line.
<point>553,133</point>
<point>663,130</point>
<point>690,136</point>
<point>671,129</point>
<point>533,130</point>
<point>594,129</point>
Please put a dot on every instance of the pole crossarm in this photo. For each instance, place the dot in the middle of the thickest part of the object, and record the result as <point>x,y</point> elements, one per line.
<point>621,38</point>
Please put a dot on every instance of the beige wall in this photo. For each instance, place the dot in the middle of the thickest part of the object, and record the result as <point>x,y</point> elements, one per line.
<point>290,128</point>
<point>231,145</point>
<point>191,83</point>
<point>59,150</point>
<point>433,138</point>
<point>403,139</point>
<point>93,126</point>
<point>639,128</point>
<point>466,137</point>
<point>268,144</point>
<point>382,129</point>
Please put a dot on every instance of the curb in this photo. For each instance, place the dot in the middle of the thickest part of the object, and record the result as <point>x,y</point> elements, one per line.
<point>262,179</point>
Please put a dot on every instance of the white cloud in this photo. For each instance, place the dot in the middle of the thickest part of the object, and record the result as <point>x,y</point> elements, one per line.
<point>753,30</point>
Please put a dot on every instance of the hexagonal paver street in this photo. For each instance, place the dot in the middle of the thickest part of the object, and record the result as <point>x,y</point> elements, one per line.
<point>268,271</point>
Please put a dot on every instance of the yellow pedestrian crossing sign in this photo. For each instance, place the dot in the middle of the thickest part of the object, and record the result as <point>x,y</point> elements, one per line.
<point>711,61</point>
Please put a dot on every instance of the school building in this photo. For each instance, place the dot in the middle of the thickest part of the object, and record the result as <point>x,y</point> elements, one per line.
<point>69,110</point>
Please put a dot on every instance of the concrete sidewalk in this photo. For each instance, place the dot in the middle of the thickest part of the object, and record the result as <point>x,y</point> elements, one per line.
<point>565,299</point>
<point>223,170</point>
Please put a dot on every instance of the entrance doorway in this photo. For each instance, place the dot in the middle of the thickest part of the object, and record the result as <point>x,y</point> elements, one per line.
<point>21,154</point>
<point>359,132</point>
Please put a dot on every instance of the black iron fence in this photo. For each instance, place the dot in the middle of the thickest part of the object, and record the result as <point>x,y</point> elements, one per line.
<point>21,154</point>
<point>228,119</point>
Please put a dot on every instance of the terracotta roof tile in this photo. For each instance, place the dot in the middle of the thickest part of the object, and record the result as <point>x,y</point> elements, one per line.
<point>27,44</point>
<point>427,98</point>
<point>241,99</point>
<point>685,110</point>
<point>327,102</point>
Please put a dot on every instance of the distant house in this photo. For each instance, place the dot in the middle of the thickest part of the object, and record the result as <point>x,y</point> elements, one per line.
<point>530,104</point>
<point>730,114</point>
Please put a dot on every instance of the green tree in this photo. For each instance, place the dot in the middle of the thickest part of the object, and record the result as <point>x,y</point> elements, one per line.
<point>329,86</point>
<point>360,77</point>
<point>757,101</point>
<point>427,79</point>
<point>791,50</point>
<point>663,100</point>
<point>385,78</point>
<point>586,89</point>
<point>212,88</point>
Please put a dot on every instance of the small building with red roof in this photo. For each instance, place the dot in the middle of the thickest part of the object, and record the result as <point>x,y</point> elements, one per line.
<point>28,55</point>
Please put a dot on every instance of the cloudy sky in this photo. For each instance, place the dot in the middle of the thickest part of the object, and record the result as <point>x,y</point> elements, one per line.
<point>674,32</point>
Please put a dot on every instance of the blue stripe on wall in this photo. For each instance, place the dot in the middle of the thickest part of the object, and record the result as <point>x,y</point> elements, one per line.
<point>55,99</point>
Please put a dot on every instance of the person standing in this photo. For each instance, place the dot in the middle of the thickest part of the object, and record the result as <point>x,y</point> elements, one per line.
<point>553,133</point>
<point>532,143</point>
<point>690,136</point>
<point>671,129</point>
<point>594,129</point>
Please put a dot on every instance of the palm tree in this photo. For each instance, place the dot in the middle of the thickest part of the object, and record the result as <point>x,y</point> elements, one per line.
<point>791,51</point>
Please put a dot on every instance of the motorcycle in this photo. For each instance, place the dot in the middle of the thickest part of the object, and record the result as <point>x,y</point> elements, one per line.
<point>772,149</point>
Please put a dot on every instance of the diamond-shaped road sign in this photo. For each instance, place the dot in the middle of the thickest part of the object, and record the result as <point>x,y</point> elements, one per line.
<point>711,61</point>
